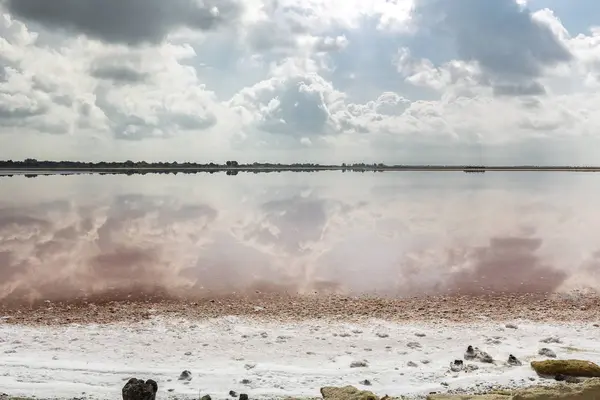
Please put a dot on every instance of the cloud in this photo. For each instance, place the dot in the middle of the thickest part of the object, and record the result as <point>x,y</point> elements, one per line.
<point>117,74</point>
<point>289,80</point>
<point>503,37</point>
<point>130,22</point>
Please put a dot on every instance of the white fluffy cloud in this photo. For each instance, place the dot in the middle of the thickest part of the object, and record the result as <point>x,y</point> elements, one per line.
<point>288,81</point>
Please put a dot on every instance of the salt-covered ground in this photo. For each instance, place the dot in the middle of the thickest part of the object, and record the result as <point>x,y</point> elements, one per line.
<point>278,358</point>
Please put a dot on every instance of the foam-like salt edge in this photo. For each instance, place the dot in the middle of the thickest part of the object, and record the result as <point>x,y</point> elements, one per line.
<point>279,358</point>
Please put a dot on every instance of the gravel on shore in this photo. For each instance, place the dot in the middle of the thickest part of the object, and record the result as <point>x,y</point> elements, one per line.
<point>499,307</point>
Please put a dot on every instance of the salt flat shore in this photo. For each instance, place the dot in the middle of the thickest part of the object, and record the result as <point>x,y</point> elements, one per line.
<point>277,346</point>
<point>574,306</point>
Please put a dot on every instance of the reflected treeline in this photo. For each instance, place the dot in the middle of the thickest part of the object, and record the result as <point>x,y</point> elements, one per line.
<point>30,166</point>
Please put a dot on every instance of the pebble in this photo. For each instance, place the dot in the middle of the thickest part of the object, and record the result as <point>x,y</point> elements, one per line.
<point>547,352</point>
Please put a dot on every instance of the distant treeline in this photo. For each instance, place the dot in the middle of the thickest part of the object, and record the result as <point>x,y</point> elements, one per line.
<point>129,167</point>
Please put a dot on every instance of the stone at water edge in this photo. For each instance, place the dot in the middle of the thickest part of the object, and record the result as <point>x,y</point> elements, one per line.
<point>346,393</point>
<point>579,368</point>
<point>137,389</point>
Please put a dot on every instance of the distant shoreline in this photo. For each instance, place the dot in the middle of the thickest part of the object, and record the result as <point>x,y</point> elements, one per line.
<point>5,170</point>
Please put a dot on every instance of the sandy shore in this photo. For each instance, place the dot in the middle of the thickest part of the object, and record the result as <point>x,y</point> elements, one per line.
<point>503,307</point>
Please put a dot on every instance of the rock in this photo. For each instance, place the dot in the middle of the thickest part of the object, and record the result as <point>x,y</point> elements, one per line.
<point>245,382</point>
<point>479,355</point>
<point>412,364</point>
<point>551,339</point>
<point>511,326</point>
<point>547,352</point>
<point>588,390</point>
<point>365,382</point>
<point>414,345</point>
<point>420,335</point>
<point>137,389</point>
<point>382,335</point>
<point>185,376</point>
<point>206,397</point>
<point>346,393</point>
<point>457,366</point>
<point>253,365</point>
<point>243,396</point>
<point>471,367</point>
<point>568,379</point>
<point>578,368</point>
<point>512,360</point>
<point>485,358</point>
<point>470,353</point>
<point>233,393</point>
<point>359,364</point>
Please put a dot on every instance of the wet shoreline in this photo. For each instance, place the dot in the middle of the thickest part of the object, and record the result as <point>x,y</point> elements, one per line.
<point>549,307</point>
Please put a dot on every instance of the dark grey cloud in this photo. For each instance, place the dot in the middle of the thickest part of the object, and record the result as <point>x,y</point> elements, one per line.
<point>525,89</point>
<point>118,74</point>
<point>126,21</point>
<point>503,37</point>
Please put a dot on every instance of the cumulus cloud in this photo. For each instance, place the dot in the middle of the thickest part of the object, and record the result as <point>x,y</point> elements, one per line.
<point>287,80</point>
<point>131,22</point>
<point>503,37</point>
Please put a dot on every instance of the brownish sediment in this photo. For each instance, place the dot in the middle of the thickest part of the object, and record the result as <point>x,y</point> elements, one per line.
<point>499,307</point>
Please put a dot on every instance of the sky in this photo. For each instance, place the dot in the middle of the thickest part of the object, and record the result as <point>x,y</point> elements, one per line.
<point>395,81</point>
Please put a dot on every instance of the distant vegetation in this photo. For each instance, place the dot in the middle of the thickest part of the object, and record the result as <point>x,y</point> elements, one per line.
<point>32,167</point>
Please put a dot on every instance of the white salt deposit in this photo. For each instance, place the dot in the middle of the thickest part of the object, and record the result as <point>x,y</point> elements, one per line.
<point>279,359</point>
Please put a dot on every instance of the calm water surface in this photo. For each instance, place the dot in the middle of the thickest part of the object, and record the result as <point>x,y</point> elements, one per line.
<point>388,233</point>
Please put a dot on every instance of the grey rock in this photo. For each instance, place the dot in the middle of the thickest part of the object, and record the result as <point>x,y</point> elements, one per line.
<point>546,352</point>
<point>233,393</point>
<point>365,382</point>
<point>512,360</point>
<point>243,396</point>
<point>470,354</point>
<point>471,367</point>
<point>420,334</point>
<point>478,355</point>
<point>359,364</point>
<point>206,397</point>
<point>414,345</point>
<point>412,364</point>
<point>551,339</point>
<point>245,381</point>
<point>382,335</point>
<point>185,376</point>
<point>511,326</point>
<point>457,366</point>
<point>137,389</point>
